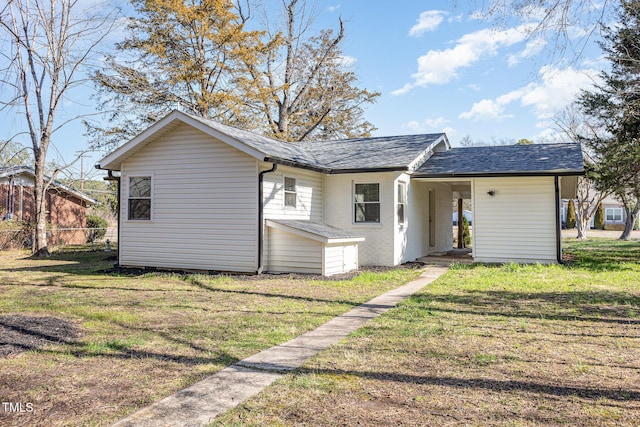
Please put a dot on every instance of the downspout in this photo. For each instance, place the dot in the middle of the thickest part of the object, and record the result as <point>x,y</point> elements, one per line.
<point>261,215</point>
<point>558,222</point>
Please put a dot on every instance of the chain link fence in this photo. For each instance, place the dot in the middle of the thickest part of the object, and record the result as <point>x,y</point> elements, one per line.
<point>23,237</point>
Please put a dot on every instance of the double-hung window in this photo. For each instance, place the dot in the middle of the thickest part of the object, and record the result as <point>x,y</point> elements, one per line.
<point>289,192</point>
<point>367,202</point>
<point>139,200</point>
<point>613,214</point>
<point>402,203</point>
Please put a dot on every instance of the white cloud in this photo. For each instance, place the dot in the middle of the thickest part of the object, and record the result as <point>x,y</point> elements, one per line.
<point>532,48</point>
<point>556,89</point>
<point>333,8</point>
<point>428,21</point>
<point>441,66</point>
<point>427,125</point>
<point>487,109</point>
<point>347,61</point>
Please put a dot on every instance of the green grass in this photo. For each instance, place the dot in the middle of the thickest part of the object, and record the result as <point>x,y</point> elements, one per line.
<point>503,345</point>
<point>145,336</point>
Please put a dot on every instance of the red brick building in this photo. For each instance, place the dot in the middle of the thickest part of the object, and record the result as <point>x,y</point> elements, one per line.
<point>66,208</point>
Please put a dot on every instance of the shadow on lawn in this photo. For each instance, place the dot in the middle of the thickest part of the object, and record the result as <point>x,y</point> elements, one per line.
<point>489,384</point>
<point>589,306</point>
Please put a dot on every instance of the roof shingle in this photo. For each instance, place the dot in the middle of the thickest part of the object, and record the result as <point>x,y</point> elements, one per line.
<point>533,159</point>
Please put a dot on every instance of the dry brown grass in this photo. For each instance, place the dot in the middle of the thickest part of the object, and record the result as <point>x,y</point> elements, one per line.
<point>133,339</point>
<point>483,346</point>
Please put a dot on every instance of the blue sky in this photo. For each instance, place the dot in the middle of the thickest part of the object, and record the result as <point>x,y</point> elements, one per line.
<point>439,68</point>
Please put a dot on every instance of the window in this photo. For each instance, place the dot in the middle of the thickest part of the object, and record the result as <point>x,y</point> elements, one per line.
<point>402,202</point>
<point>367,202</point>
<point>613,214</point>
<point>289,192</point>
<point>140,198</point>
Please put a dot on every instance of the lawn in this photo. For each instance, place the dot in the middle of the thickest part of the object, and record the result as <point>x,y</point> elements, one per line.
<point>83,345</point>
<point>483,345</point>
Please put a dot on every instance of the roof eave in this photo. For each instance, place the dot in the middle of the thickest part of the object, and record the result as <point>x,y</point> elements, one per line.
<point>113,160</point>
<point>499,174</point>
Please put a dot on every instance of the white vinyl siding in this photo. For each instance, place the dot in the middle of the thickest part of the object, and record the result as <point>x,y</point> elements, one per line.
<point>308,195</point>
<point>205,198</point>
<point>340,258</point>
<point>289,253</point>
<point>517,223</point>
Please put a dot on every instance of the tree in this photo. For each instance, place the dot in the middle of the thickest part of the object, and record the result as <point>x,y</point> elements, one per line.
<point>524,141</point>
<point>48,43</point>
<point>614,105</point>
<point>14,154</point>
<point>200,57</point>
<point>557,19</point>
<point>303,88</point>
<point>178,55</point>
<point>574,124</point>
<point>588,198</point>
<point>598,219</point>
<point>571,214</point>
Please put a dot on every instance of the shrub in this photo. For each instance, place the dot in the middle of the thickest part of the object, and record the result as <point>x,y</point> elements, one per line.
<point>100,224</point>
<point>598,219</point>
<point>571,215</point>
<point>466,232</point>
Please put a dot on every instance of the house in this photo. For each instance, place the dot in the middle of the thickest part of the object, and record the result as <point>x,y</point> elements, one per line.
<point>66,207</point>
<point>465,214</point>
<point>615,214</point>
<point>196,194</point>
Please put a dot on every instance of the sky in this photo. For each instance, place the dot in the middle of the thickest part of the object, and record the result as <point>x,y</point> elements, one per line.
<point>438,67</point>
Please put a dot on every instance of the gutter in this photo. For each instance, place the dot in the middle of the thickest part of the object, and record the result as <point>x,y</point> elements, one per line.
<point>261,215</point>
<point>558,222</point>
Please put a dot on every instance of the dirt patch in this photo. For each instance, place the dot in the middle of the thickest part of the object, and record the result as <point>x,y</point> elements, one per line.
<point>132,271</point>
<point>21,333</point>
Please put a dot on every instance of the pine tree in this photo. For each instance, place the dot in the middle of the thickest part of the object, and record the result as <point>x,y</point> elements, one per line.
<point>614,105</point>
<point>571,215</point>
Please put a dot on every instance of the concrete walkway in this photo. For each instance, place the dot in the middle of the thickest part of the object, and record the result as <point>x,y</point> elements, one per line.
<point>200,403</point>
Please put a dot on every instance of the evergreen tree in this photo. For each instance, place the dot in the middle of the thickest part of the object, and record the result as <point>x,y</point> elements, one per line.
<point>598,219</point>
<point>571,214</point>
<point>615,106</point>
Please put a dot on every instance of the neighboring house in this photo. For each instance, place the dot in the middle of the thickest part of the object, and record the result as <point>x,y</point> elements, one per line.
<point>465,213</point>
<point>196,194</point>
<point>66,208</point>
<point>614,213</point>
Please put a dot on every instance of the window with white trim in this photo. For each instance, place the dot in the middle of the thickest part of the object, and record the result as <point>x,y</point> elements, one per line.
<point>139,198</point>
<point>366,202</point>
<point>402,203</point>
<point>613,214</point>
<point>290,194</point>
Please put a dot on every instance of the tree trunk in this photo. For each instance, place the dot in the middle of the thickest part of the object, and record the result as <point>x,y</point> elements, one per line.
<point>632,217</point>
<point>582,224</point>
<point>40,193</point>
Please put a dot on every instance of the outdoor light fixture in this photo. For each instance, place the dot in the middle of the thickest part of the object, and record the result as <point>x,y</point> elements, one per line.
<point>491,193</point>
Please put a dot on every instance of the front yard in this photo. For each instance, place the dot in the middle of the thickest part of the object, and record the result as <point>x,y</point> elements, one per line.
<point>509,345</point>
<point>104,344</point>
<point>502,346</point>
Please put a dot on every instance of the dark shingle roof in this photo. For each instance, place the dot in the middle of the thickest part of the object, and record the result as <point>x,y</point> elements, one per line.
<point>16,170</point>
<point>533,159</point>
<point>389,152</point>
<point>357,154</point>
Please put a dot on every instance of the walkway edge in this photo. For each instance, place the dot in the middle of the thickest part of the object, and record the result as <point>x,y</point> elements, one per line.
<point>200,403</point>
